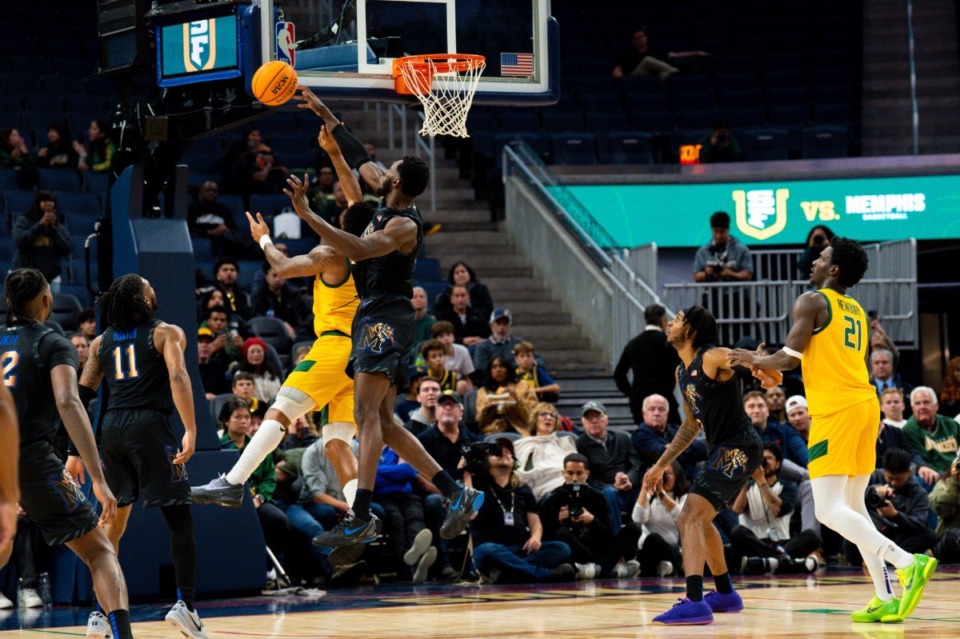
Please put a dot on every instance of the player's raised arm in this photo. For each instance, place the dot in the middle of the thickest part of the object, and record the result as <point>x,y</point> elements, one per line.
<point>171,341</point>
<point>807,312</point>
<point>351,188</point>
<point>313,263</point>
<point>9,467</point>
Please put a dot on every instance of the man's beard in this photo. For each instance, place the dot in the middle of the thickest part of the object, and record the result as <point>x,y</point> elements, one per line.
<point>384,189</point>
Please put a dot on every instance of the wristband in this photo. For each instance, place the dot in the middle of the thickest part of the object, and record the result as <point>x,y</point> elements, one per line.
<point>264,240</point>
<point>792,353</point>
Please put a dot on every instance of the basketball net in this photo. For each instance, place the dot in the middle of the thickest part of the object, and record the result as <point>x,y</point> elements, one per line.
<point>445,84</point>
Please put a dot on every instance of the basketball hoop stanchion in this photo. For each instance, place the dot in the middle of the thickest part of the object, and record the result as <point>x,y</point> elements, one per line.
<point>445,84</point>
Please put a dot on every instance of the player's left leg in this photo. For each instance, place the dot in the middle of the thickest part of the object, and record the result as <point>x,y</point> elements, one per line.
<point>183,551</point>
<point>697,514</point>
<point>118,526</point>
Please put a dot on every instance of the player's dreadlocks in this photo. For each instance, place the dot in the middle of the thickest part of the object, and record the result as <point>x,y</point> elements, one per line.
<point>21,286</point>
<point>700,321</point>
<point>850,257</point>
<point>124,305</point>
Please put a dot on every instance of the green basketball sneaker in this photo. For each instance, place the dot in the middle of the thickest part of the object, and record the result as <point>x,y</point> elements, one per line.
<point>914,578</point>
<point>878,611</point>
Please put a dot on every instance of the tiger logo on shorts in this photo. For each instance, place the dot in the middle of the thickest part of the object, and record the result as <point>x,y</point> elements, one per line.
<point>376,336</point>
<point>729,460</point>
<point>67,490</point>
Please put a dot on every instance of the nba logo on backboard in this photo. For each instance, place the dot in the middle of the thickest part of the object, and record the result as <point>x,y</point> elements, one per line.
<point>285,42</point>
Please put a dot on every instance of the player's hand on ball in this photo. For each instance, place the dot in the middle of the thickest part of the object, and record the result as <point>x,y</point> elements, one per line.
<point>258,228</point>
<point>768,379</point>
<point>107,501</point>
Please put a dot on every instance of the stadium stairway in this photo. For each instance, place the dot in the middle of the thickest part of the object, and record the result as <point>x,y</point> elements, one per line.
<point>469,235</point>
<point>577,388</point>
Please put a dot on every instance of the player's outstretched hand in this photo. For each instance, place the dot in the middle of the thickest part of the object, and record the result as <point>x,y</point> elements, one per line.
<point>75,468</point>
<point>327,141</point>
<point>107,502</point>
<point>188,444</point>
<point>258,228</point>
<point>309,100</point>
<point>768,378</point>
<point>653,479</point>
<point>297,192</point>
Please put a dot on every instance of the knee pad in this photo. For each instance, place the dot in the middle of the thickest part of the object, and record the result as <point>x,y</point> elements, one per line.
<point>344,431</point>
<point>293,403</point>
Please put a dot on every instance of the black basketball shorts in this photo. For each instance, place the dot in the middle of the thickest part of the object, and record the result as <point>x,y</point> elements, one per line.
<point>382,337</point>
<point>729,467</point>
<point>50,497</point>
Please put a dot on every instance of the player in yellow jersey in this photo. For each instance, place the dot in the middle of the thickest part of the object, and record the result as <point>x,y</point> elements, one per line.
<point>320,379</point>
<point>829,334</point>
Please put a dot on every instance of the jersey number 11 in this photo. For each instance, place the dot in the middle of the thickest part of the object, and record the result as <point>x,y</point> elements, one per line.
<point>131,371</point>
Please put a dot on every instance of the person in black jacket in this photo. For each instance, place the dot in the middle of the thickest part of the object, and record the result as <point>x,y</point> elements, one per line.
<point>42,239</point>
<point>655,433</point>
<point>278,298</point>
<point>653,364</point>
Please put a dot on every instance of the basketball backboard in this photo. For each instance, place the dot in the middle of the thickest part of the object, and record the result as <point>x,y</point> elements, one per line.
<point>345,48</point>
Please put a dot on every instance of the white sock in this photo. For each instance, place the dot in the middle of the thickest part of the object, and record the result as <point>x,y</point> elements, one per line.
<point>350,491</point>
<point>773,563</point>
<point>856,486</point>
<point>264,442</point>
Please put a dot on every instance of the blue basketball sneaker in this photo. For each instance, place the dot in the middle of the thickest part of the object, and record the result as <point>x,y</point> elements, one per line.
<point>720,602</point>
<point>461,507</point>
<point>350,530</point>
<point>686,613</point>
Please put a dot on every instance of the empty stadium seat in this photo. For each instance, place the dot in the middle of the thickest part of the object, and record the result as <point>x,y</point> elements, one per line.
<point>574,148</point>
<point>627,147</point>
<point>825,142</point>
<point>764,144</point>
<point>59,180</point>
<point>273,331</point>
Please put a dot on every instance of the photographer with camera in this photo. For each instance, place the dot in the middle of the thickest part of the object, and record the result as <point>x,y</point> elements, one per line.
<point>507,532</point>
<point>578,515</point>
<point>725,258</point>
<point>720,146</point>
<point>898,507</point>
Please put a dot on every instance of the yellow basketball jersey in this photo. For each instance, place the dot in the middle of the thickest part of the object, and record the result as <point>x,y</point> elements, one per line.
<point>334,305</point>
<point>834,366</point>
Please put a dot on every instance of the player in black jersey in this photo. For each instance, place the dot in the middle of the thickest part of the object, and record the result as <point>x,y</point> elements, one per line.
<point>714,404</point>
<point>142,360</point>
<point>40,369</point>
<point>384,325</point>
<point>9,468</point>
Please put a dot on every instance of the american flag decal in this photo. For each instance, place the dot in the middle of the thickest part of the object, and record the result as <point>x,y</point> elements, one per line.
<point>516,64</point>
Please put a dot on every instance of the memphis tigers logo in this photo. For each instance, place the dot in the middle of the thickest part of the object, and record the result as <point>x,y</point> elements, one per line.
<point>66,489</point>
<point>729,460</point>
<point>693,398</point>
<point>199,45</point>
<point>375,336</point>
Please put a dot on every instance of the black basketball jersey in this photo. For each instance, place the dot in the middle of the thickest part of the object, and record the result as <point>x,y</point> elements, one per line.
<point>28,352</point>
<point>390,274</point>
<point>135,371</point>
<point>718,405</point>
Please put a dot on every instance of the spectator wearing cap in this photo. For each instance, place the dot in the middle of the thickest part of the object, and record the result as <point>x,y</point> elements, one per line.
<point>541,454</point>
<point>445,444</point>
<point>504,403</point>
<point>614,463</point>
<point>469,327</point>
<point>266,377</point>
<point>500,343</point>
<point>425,416</point>
<point>798,416</point>
<point>507,533</point>
<point>651,363</point>
<point>457,357</point>
<point>213,372</point>
<point>724,258</point>
<point>226,270</point>
<point>275,297</point>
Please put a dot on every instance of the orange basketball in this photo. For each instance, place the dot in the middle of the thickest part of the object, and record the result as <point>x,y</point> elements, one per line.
<point>274,83</point>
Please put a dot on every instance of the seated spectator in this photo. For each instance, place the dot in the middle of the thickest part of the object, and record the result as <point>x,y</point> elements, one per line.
<point>406,404</point>
<point>445,444</point>
<point>658,513</point>
<point>725,258</point>
<point>720,145</point>
<point>58,152</point>
<point>507,532</point>
<point>335,202</point>
<point>504,404</point>
<point>776,403</point>
<point>898,507</point>
<point>469,327</point>
<point>97,154</point>
<point>457,356</point>
<point>407,536</point>
<point>226,270</point>
<point>798,416</point>
<point>541,454</point>
<point>321,494</point>
<point>83,348</point>
<point>425,416</point>
<point>883,372</point>
<point>278,298</point>
<point>653,435</point>
<point>945,500</point>
<point>950,391</point>
<point>462,275</point>
<point>225,346</point>
<point>890,437</point>
<point>87,323</point>
<point>500,342</point>
<point>266,378</point>
<point>425,321</point>
<point>614,463</point>
<point>892,407</point>
<point>762,542</point>
<point>534,374</point>
<point>213,372</point>
<point>250,136</point>
<point>42,239</point>
<point>208,217</point>
<point>235,421</point>
<point>818,239</point>
<point>209,299</point>
<point>256,171</point>
<point>434,357</point>
<point>244,387</point>
<point>933,436</point>
<point>578,515</point>
<point>773,432</point>
<point>641,60</point>
<point>301,433</point>
<point>14,154</point>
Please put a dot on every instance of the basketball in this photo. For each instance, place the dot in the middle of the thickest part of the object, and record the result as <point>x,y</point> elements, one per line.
<point>274,83</point>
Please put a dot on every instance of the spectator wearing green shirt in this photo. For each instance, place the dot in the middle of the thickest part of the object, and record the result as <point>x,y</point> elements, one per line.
<point>932,435</point>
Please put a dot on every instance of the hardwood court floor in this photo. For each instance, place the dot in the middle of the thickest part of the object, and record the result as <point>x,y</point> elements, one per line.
<point>811,608</point>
